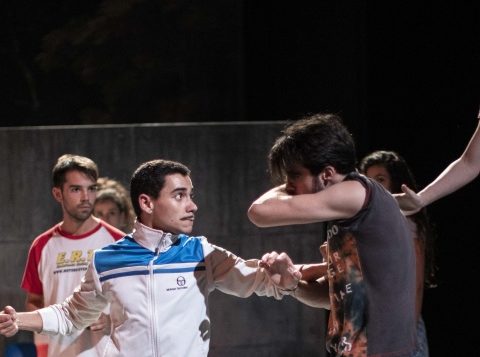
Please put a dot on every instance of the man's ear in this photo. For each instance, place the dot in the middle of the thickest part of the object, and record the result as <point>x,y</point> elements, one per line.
<point>328,173</point>
<point>57,194</point>
<point>145,203</point>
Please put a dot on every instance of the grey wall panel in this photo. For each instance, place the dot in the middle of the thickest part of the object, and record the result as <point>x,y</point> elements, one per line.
<point>229,170</point>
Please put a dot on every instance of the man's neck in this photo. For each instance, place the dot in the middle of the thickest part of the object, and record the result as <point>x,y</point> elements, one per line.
<point>337,178</point>
<point>76,228</point>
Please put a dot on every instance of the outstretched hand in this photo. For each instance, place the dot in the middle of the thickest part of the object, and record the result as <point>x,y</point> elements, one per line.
<point>8,321</point>
<point>281,270</point>
<point>409,201</point>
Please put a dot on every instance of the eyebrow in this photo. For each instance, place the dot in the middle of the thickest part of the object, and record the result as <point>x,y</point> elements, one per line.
<point>179,189</point>
<point>88,186</point>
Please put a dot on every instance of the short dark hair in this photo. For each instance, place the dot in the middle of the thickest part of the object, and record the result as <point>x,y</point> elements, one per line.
<point>315,142</point>
<point>69,162</point>
<point>149,179</point>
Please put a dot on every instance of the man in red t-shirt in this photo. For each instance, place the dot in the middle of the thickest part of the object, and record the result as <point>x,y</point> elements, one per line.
<point>58,258</point>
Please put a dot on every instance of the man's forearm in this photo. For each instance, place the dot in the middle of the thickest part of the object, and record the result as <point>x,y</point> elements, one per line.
<point>314,293</point>
<point>262,212</point>
<point>312,272</point>
<point>29,321</point>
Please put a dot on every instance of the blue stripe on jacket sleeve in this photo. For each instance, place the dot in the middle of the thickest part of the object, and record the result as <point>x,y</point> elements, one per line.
<point>128,253</point>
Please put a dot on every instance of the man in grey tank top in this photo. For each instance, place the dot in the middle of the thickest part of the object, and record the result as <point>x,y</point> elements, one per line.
<point>369,286</point>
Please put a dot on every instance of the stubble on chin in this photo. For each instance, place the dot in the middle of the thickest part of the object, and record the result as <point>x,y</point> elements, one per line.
<point>81,215</point>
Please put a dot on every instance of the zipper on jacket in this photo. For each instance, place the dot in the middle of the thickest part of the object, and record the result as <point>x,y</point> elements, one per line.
<point>152,301</point>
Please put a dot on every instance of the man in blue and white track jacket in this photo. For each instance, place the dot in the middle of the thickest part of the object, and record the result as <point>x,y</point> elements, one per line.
<point>157,279</point>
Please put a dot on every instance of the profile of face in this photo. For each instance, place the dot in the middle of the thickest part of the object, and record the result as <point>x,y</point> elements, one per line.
<point>108,211</point>
<point>77,195</point>
<point>173,210</point>
<point>301,181</point>
<point>380,174</point>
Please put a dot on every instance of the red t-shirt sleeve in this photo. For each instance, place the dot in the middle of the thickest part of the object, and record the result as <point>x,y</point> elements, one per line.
<point>31,282</point>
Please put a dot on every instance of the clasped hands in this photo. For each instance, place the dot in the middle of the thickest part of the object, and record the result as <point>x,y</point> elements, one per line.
<point>282,271</point>
<point>8,321</point>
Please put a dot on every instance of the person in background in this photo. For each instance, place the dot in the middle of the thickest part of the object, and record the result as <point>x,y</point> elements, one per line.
<point>58,258</point>
<point>459,173</point>
<point>113,204</point>
<point>391,171</point>
<point>371,258</point>
<point>158,279</point>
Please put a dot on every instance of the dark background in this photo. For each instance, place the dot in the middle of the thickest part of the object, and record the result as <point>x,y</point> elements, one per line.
<point>404,77</point>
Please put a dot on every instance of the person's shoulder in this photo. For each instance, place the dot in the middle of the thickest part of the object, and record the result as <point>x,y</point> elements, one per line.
<point>370,185</point>
<point>206,244</point>
<point>192,239</point>
<point>195,242</point>
<point>45,236</point>
<point>125,243</point>
<point>352,183</point>
<point>355,176</point>
<point>352,194</point>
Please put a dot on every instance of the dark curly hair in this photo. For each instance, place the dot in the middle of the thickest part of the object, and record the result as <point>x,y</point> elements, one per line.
<point>314,142</point>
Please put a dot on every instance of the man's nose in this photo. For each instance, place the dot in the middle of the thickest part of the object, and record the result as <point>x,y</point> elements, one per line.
<point>85,195</point>
<point>192,207</point>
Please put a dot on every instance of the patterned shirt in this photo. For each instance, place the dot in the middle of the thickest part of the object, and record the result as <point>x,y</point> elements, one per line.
<point>371,272</point>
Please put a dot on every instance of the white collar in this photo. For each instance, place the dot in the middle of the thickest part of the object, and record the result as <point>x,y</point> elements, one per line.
<point>153,239</point>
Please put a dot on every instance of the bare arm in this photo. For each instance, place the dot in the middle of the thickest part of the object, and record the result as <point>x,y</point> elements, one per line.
<point>11,321</point>
<point>277,208</point>
<point>314,271</point>
<point>29,321</point>
<point>459,173</point>
<point>313,293</point>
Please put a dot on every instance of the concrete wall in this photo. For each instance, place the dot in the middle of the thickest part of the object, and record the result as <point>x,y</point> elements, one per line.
<point>228,163</point>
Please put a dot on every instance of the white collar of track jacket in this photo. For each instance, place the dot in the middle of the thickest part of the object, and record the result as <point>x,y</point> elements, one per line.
<point>153,239</point>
